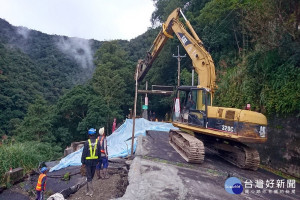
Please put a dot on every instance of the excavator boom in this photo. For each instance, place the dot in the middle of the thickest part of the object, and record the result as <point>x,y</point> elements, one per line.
<point>201,59</point>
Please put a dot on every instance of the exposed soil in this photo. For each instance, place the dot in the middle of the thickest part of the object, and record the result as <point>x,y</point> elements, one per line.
<point>113,187</point>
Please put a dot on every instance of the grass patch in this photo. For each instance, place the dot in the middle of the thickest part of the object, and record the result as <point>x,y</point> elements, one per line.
<point>27,155</point>
<point>279,173</point>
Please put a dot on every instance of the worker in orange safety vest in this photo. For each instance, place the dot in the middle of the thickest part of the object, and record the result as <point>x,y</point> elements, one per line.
<point>41,184</point>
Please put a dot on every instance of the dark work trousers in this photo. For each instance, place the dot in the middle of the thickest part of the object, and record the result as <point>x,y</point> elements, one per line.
<point>103,160</point>
<point>39,195</point>
<point>90,172</point>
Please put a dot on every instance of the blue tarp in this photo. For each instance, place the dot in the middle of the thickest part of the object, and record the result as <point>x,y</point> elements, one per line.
<point>118,143</point>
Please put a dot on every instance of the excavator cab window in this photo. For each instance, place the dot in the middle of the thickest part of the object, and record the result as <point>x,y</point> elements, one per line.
<point>198,116</point>
<point>183,104</point>
<point>200,97</point>
<point>193,103</point>
<point>189,104</point>
<point>190,101</point>
<point>208,100</point>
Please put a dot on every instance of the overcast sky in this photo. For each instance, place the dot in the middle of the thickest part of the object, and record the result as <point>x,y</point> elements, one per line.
<point>89,19</point>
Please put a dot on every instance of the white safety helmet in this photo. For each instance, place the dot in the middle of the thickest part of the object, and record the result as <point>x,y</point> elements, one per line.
<point>101,131</point>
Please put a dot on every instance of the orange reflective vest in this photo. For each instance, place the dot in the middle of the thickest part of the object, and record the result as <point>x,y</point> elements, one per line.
<point>92,153</point>
<point>101,145</point>
<point>39,183</point>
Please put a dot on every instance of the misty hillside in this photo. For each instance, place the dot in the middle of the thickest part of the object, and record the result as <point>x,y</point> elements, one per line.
<point>36,64</point>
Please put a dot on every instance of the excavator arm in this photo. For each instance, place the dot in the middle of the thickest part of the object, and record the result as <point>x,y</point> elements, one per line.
<point>201,59</point>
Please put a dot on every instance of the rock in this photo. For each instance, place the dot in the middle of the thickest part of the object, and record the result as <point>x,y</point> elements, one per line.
<point>68,150</point>
<point>56,196</point>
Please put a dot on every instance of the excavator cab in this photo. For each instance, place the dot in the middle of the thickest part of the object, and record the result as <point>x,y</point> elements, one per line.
<point>191,104</point>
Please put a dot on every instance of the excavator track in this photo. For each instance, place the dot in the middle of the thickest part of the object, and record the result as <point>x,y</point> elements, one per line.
<point>238,154</point>
<point>189,147</point>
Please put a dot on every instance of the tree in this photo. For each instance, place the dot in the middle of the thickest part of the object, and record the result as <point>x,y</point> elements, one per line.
<point>37,123</point>
<point>71,109</point>
<point>270,23</point>
<point>96,116</point>
<point>109,86</point>
<point>113,80</point>
<point>164,9</point>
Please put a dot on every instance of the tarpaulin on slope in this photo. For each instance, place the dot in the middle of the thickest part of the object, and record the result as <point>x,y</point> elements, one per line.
<point>118,143</point>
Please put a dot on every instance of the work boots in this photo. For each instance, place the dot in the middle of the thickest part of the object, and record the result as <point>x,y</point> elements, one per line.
<point>87,191</point>
<point>102,174</point>
<point>106,176</point>
<point>98,174</point>
<point>91,189</point>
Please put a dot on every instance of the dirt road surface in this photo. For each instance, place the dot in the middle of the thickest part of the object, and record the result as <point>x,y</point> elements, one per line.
<point>104,189</point>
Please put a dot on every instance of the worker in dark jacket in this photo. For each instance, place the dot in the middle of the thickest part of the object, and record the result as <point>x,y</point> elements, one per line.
<point>41,184</point>
<point>90,158</point>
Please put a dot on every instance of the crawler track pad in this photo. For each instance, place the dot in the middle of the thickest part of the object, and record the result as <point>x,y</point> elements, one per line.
<point>238,154</point>
<point>189,147</point>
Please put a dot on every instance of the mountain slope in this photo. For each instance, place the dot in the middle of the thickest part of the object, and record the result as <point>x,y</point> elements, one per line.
<point>37,64</point>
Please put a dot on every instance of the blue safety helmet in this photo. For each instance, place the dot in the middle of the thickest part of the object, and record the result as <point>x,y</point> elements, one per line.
<point>92,131</point>
<point>44,169</point>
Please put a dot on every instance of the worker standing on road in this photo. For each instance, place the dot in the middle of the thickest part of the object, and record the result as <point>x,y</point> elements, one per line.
<point>41,184</point>
<point>90,158</point>
<point>104,156</point>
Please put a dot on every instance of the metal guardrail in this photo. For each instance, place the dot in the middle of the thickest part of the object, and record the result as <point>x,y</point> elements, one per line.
<point>158,89</point>
<point>162,88</point>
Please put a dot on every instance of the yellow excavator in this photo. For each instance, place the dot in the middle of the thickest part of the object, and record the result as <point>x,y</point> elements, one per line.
<point>223,131</point>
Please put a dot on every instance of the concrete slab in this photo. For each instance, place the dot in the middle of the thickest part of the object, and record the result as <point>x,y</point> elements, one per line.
<point>158,172</point>
<point>14,176</point>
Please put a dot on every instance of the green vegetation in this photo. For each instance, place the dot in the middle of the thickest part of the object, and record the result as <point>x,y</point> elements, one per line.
<point>35,65</point>
<point>279,173</point>
<point>27,155</point>
<point>66,177</point>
